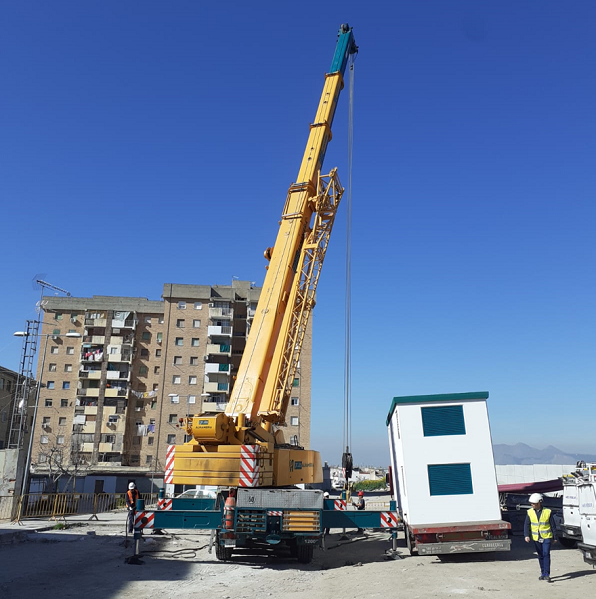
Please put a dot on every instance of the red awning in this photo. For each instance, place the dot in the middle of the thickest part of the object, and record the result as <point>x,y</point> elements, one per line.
<point>543,486</point>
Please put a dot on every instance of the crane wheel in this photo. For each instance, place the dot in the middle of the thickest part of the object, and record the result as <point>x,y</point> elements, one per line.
<point>304,553</point>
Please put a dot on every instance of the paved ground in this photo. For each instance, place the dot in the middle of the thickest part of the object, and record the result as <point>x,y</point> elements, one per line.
<point>89,559</point>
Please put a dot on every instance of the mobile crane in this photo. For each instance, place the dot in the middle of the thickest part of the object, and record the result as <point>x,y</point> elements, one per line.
<point>243,449</point>
<point>240,446</point>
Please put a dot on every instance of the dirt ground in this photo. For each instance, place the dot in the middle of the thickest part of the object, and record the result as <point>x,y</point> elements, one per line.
<point>88,562</point>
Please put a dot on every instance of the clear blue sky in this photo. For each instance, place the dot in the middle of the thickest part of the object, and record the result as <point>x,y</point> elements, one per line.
<point>151,142</point>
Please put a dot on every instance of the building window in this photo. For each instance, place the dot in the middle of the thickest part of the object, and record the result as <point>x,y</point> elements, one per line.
<point>146,336</point>
<point>192,380</point>
<point>194,361</point>
<point>294,440</point>
<point>150,440</point>
<point>171,440</point>
<point>198,305</point>
<point>173,419</point>
<point>196,323</point>
<point>296,382</point>
<point>50,384</point>
<point>294,420</point>
<point>180,323</point>
<point>60,439</point>
<point>160,320</point>
<point>148,459</point>
<point>195,342</point>
<point>114,350</point>
<point>52,367</point>
<point>66,385</point>
<point>177,360</point>
<point>192,399</point>
<point>56,332</point>
<point>159,338</point>
<point>70,351</point>
<point>438,421</point>
<point>42,458</point>
<point>176,379</point>
<point>43,439</point>
<point>295,401</point>
<point>64,403</point>
<point>144,353</point>
<point>148,320</point>
<point>156,369</point>
<point>143,370</point>
<point>158,353</point>
<point>48,403</point>
<point>450,479</point>
<point>58,316</point>
<point>62,421</point>
<point>67,367</point>
<point>179,341</point>
<point>54,349</point>
<point>181,305</point>
<point>46,420</point>
<point>175,398</point>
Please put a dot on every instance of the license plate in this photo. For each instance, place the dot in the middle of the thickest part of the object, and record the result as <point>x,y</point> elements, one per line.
<point>229,543</point>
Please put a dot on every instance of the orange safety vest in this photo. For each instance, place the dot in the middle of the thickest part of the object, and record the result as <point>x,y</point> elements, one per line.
<point>133,495</point>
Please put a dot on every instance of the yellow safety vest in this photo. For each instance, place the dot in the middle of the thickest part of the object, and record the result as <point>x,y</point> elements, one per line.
<point>540,528</point>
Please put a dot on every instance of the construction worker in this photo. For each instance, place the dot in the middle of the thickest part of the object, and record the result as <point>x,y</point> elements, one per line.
<point>131,504</point>
<point>539,522</point>
<point>360,504</point>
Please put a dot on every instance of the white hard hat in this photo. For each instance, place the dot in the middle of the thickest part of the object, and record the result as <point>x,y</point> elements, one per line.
<point>326,494</point>
<point>131,485</point>
<point>535,498</point>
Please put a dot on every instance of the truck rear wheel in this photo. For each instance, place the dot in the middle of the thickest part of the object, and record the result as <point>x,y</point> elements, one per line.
<point>223,553</point>
<point>304,553</point>
<point>410,543</point>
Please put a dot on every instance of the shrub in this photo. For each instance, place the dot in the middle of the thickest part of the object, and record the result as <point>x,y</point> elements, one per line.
<point>370,485</point>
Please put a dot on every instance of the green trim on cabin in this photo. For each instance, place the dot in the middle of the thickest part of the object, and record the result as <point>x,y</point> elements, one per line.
<point>431,398</point>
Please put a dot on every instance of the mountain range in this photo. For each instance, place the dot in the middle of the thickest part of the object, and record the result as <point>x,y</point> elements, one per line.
<point>520,453</point>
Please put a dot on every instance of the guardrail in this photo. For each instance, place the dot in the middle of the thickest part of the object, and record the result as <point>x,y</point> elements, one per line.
<point>59,505</point>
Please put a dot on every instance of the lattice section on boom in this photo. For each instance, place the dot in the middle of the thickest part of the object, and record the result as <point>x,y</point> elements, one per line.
<point>329,194</point>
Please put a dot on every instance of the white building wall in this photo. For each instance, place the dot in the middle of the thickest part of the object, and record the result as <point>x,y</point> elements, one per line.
<point>527,473</point>
<point>414,452</point>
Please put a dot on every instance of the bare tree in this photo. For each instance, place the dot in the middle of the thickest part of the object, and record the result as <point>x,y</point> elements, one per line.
<point>60,459</point>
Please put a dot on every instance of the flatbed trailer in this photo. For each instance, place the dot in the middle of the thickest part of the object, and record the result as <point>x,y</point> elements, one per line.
<point>266,518</point>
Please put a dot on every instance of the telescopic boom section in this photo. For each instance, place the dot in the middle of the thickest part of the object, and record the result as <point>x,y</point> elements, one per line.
<point>275,338</point>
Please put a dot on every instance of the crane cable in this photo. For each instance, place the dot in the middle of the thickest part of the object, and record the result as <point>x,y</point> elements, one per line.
<point>347,429</point>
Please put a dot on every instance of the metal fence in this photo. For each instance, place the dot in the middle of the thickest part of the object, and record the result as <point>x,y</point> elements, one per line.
<point>59,505</point>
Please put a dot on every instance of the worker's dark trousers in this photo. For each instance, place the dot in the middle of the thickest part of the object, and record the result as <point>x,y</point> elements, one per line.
<point>543,551</point>
<point>131,520</point>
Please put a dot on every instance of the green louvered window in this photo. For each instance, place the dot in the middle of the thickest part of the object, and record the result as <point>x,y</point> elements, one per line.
<point>450,479</point>
<point>443,420</point>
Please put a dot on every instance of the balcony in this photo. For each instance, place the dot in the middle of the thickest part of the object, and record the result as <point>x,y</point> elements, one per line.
<point>95,339</point>
<point>123,357</point>
<point>216,387</point>
<point>219,312</point>
<point>90,374</point>
<point>214,331</point>
<point>87,447</point>
<point>219,349</point>
<point>113,375</point>
<point>129,323</point>
<point>217,368</point>
<point>106,447</point>
<point>214,406</point>
<point>95,322</point>
<point>90,410</point>
<point>88,392</point>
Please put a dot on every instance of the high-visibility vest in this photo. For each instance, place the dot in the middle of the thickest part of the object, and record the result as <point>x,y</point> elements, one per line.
<point>133,495</point>
<point>540,528</point>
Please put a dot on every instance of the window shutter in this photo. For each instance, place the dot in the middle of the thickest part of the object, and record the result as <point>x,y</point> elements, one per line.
<point>443,420</point>
<point>450,479</point>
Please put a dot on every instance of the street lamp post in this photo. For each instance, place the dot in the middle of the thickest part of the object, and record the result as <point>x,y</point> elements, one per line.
<point>36,405</point>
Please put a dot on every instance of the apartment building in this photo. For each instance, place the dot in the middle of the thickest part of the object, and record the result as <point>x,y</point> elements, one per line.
<point>8,388</point>
<point>114,390</point>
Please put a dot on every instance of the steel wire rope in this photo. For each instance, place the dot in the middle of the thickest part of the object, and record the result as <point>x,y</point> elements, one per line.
<point>347,432</point>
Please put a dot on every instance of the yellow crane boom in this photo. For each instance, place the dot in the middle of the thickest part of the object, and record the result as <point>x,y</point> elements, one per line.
<point>240,447</point>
